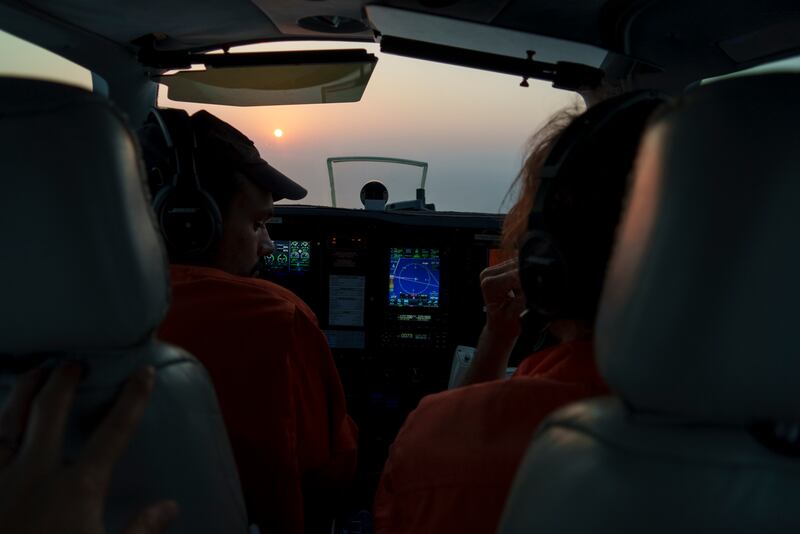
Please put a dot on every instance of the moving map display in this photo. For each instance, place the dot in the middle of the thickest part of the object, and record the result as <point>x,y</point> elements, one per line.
<point>414,277</point>
<point>289,257</point>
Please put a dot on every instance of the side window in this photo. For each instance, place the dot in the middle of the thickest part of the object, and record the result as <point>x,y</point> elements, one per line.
<point>21,58</point>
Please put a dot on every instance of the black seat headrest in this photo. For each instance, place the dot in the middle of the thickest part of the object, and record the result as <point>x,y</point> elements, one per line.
<point>82,266</point>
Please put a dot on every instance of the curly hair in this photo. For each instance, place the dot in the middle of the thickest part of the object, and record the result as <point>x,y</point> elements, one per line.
<point>515,225</point>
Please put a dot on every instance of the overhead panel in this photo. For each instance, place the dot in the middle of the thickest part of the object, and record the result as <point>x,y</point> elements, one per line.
<point>573,20</point>
<point>704,40</point>
<point>286,14</point>
<point>771,40</point>
<point>187,23</point>
<point>483,11</point>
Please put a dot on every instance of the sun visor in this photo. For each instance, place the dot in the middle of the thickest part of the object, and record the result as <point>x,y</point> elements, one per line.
<point>481,37</point>
<point>272,84</point>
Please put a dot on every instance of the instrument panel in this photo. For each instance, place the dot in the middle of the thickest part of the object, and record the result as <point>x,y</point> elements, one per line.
<point>395,293</point>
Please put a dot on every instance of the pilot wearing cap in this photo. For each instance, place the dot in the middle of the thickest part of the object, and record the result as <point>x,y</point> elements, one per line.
<point>278,387</point>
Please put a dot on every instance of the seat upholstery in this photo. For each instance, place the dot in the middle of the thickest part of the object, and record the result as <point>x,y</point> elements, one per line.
<point>84,276</point>
<point>695,335</point>
<point>595,466</point>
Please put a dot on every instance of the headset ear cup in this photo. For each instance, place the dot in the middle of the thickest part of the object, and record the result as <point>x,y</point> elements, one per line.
<point>190,222</point>
<point>543,275</point>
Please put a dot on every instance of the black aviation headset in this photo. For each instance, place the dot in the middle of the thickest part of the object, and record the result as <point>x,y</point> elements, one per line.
<point>562,259</point>
<point>188,216</point>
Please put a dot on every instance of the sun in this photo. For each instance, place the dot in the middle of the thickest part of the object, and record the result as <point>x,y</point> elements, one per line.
<point>278,132</point>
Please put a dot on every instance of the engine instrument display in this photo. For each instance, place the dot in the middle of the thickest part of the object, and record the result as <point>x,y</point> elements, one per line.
<point>414,277</point>
<point>289,257</point>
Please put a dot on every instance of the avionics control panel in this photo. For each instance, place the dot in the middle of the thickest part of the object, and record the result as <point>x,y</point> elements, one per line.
<point>289,258</point>
<point>386,285</point>
<point>416,314</point>
<point>394,293</point>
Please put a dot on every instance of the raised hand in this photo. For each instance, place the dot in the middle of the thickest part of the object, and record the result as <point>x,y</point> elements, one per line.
<point>38,492</point>
<point>504,299</point>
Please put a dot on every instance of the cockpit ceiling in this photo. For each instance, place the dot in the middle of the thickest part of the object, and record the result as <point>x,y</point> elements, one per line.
<point>203,23</point>
<point>662,32</point>
<point>186,23</point>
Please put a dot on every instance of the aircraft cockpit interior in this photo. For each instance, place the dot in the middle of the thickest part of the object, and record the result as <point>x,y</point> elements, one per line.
<point>395,295</point>
<point>318,266</point>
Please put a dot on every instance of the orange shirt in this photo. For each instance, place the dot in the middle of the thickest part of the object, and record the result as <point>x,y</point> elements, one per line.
<point>452,464</point>
<point>278,389</point>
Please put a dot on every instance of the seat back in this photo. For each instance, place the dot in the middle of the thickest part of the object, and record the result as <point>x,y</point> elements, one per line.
<point>84,277</point>
<point>695,335</point>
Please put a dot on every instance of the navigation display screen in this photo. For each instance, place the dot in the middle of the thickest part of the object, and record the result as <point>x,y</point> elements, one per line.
<point>289,257</point>
<point>414,277</point>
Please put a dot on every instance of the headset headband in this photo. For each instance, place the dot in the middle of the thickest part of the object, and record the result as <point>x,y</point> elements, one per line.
<point>562,279</point>
<point>575,138</point>
<point>176,127</point>
<point>188,216</point>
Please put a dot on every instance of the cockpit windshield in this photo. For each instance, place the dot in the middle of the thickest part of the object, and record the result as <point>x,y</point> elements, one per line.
<point>471,128</point>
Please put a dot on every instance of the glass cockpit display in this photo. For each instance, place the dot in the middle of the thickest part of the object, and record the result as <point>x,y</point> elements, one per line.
<point>414,277</point>
<point>289,257</point>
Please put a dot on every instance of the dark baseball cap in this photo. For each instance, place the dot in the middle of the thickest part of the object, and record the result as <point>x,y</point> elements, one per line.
<point>222,148</point>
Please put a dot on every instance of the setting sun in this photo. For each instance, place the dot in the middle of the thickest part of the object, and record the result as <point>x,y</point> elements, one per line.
<point>278,132</point>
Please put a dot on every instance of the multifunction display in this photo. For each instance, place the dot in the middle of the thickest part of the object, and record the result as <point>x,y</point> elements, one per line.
<point>289,257</point>
<point>414,277</point>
